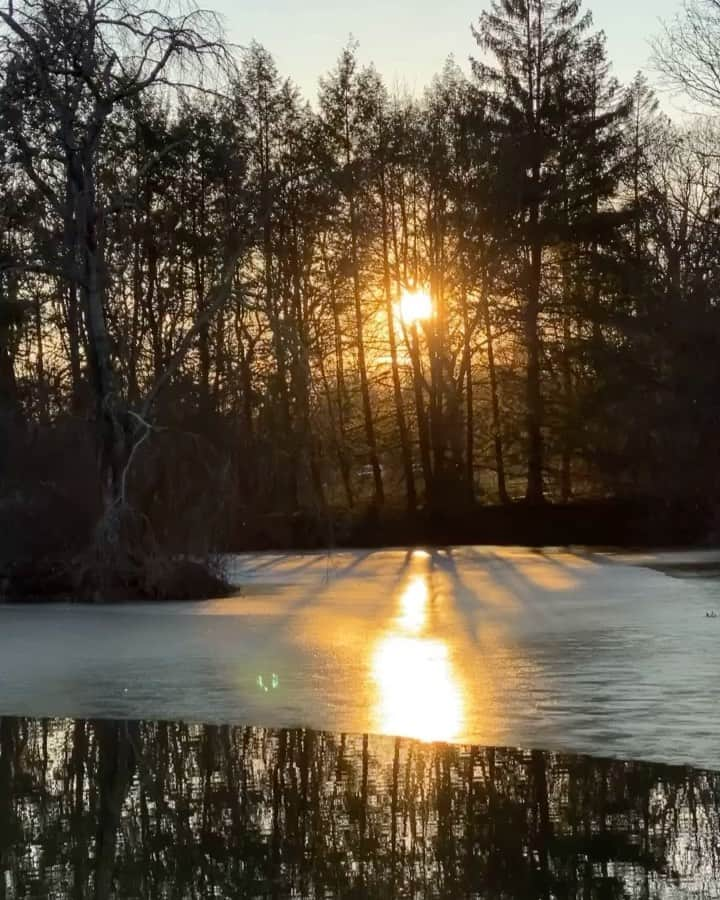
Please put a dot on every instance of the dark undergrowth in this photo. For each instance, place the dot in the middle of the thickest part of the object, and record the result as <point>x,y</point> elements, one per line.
<point>194,507</point>
<point>64,574</point>
<point>626,523</point>
<point>61,579</point>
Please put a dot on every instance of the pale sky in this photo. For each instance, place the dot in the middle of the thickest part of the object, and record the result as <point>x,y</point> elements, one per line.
<point>409,40</point>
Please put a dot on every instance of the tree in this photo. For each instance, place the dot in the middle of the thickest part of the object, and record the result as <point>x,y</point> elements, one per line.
<point>687,54</point>
<point>76,66</point>
<point>533,41</point>
<point>385,148</point>
<point>348,98</point>
<point>223,269</point>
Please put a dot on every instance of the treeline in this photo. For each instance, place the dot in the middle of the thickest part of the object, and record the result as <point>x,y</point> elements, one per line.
<point>134,809</point>
<point>204,277</point>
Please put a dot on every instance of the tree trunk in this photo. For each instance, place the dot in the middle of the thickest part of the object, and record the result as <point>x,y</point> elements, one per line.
<point>40,362</point>
<point>410,492</point>
<point>336,437</point>
<point>469,409</point>
<point>72,311</point>
<point>535,487</point>
<point>421,414</point>
<point>362,364</point>
<point>9,403</point>
<point>290,489</point>
<point>535,491</point>
<point>436,417</point>
<point>495,404</point>
<point>199,228</point>
<point>110,433</point>
<point>566,373</point>
<point>340,387</point>
<point>403,264</point>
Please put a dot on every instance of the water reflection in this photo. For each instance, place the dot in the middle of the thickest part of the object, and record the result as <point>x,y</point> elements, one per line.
<point>142,809</point>
<point>413,605</point>
<point>419,694</point>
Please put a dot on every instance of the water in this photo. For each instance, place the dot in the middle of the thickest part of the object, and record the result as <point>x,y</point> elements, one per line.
<point>562,650</point>
<point>112,786</point>
<point>146,809</point>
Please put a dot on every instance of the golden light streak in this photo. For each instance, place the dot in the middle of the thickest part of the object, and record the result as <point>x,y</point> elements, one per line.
<point>418,691</point>
<point>413,606</point>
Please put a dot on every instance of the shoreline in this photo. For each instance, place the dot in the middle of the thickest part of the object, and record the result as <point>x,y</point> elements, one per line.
<point>190,581</point>
<point>55,581</point>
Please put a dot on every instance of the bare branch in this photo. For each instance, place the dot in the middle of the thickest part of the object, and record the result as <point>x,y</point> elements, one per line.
<point>217,298</point>
<point>687,53</point>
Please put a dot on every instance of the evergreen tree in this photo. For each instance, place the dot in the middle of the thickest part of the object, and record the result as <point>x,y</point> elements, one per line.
<point>533,43</point>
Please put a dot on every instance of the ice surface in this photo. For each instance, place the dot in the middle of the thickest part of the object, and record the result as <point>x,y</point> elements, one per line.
<point>510,646</point>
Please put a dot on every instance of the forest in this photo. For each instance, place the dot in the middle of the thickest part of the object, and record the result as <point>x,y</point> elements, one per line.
<point>231,315</point>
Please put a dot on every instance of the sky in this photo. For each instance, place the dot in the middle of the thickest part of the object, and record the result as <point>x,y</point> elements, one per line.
<point>409,40</point>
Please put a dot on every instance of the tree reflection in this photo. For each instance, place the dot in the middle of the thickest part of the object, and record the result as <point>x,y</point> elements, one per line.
<point>103,809</point>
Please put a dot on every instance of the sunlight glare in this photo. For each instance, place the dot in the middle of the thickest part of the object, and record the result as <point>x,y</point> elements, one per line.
<point>419,697</point>
<point>415,306</point>
<point>413,605</point>
<point>418,693</point>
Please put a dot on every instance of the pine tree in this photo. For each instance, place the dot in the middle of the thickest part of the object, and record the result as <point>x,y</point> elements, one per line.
<point>532,42</point>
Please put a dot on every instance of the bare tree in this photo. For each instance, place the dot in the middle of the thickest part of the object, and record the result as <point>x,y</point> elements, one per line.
<point>687,53</point>
<point>77,63</point>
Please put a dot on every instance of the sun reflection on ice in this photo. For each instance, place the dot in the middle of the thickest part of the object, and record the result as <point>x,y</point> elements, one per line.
<point>419,694</point>
<point>413,606</point>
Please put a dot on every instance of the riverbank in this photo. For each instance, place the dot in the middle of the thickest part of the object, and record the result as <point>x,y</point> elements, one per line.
<point>66,580</point>
<point>620,524</point>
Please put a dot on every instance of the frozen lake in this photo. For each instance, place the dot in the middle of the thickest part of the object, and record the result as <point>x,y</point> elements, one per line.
<point>584,652</point>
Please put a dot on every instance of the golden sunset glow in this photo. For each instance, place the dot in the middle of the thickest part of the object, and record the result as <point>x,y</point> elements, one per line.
<point>418,692</point>
<point>419,695</point>
<point>413,606</point>
<point>415,306</point>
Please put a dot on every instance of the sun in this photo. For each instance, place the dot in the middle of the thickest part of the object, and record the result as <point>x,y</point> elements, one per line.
<point>415,306</point>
